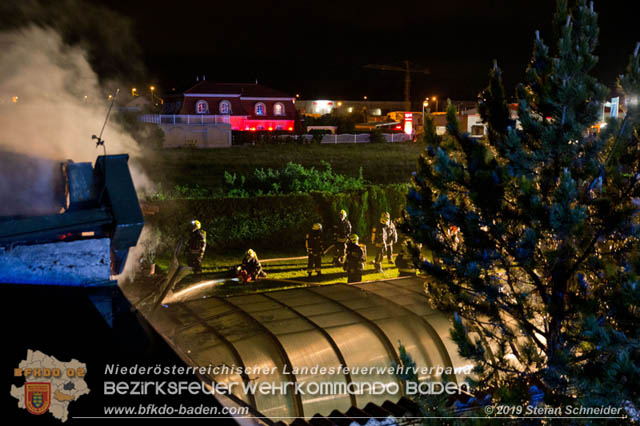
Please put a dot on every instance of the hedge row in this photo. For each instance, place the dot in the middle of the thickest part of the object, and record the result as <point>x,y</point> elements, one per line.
<point>276,222</point>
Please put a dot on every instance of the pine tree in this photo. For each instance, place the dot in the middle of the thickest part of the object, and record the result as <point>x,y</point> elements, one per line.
<point>430,137</point>
<point>535,231</point>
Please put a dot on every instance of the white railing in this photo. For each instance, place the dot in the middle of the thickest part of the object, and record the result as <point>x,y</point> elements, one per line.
<point>363,138</point>
<point>346,138</point>
<point>184,119</point>
<point>397,137</point>
<point>349,138</point>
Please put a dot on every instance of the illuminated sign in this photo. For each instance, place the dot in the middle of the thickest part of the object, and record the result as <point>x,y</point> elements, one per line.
<point>408,123</point>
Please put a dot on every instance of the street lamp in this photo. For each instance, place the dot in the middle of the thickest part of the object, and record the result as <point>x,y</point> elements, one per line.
<point>435,99</point>
<point>152,88</point>
<point>425,104</point>
<point>133,91</point>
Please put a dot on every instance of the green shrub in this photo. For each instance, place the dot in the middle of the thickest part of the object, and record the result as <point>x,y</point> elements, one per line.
<point>292,179</point>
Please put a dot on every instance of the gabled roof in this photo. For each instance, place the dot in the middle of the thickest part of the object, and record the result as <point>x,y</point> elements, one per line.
<point>242,89</point>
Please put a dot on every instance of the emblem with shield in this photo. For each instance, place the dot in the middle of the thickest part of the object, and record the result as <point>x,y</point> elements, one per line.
<point>37,397</point>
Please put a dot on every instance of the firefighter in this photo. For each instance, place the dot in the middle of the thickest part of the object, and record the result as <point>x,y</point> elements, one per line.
<point>314,246</point>
<point>196,246</point>
<point>379,238</point>
<point>356,256</point>
<point>250,269</point>
<point>392,238</point>
<point>341,235</point>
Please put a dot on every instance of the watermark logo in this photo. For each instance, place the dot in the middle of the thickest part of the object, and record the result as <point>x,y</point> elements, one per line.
<point>50,385</point>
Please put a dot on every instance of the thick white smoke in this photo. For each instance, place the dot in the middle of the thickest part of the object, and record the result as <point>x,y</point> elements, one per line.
<point>51,103</point>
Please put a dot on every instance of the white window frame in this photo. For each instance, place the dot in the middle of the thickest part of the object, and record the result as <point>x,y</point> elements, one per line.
<point>228,105</point>
<point>206,107</point>
<point>264,108</point>
<point>275,111</point>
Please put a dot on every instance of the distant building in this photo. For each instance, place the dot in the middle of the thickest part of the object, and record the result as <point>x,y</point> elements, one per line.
<point>319,107</point>
<point>469,120</point>
<point>135,104</point>
<point>249,106</point>
<point>204,115</point>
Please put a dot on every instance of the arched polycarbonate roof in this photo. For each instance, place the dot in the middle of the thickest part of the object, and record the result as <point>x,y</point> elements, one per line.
<point>289,332</point>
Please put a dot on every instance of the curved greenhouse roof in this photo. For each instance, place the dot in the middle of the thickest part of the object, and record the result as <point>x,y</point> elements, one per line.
<point>280,336</point>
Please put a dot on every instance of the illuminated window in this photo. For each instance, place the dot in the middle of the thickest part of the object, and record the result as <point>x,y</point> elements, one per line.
<point>278,109</point>
<point>260,108</point>
<point>225,107</point>
<point>202,107</point>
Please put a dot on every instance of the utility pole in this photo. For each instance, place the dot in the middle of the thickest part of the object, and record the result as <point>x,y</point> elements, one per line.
<point>407,69</point>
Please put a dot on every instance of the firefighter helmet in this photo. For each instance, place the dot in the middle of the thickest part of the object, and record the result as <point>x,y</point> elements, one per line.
<point>317,227</point>
<point>385,218</point>
<point>196,223</point>
<point>343,214</point>
<point>354,238</point>
<point>250,253</point>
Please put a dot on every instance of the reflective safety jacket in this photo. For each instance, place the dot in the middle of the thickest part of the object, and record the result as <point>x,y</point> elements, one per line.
<point>197,241</point>
<point>313,242</point>
<point>342,230</point>
<point>380,235</point>
<point>392,234</point>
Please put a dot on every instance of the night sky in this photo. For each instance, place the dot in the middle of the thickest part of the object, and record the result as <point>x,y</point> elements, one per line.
<point>318,48</point>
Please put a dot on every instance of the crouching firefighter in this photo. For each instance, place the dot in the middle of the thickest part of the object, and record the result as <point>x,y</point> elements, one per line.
<point>355,259</point>
<point>196,246</point>
<point>341,232</point>
<point>314,249</point>
<point>250,269</point>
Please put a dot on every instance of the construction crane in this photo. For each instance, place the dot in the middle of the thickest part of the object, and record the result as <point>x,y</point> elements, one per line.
<point>407,69</point>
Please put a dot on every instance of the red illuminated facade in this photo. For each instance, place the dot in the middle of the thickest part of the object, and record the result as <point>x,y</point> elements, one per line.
<point>250,107</point>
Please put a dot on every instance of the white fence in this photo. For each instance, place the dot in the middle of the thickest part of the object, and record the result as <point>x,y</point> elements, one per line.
<point>349,138</point>
<point>346,138</point>
<point>397,137</point>
<point>184,119</point>
<point>364,138</point>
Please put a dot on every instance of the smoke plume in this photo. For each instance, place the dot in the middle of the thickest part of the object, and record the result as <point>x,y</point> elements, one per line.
<point>51,103</point>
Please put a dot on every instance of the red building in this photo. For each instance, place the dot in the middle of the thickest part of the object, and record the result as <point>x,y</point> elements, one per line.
<point>249,106</point>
